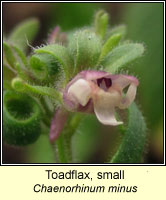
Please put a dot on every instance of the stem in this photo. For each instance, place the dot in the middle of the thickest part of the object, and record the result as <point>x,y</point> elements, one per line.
<point>61,150</point>
<point>68,133</point>
<point>54,149</point>
<point>63,143</point>
<point>45,106</point>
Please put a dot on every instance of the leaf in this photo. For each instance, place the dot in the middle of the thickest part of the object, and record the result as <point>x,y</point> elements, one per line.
<point>21,119</point>
<point>132,146</point>
<point>85,48</point>
<point>121,56</point>
<point>101,22</point>
<point>61,56</point>
<point>24,31</point>
<point>21,73</point>
<point>8,74</point>
<point>44,66</point>
<point>9,54</point>
<point>110,44</point>
<point>120,29</point>
<point>43,90</point>
<point>21,86</point>
<point>21,55</point>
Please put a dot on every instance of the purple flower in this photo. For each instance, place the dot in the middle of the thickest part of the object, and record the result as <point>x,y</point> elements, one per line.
<point>100,92</point>
<point>96,92</point>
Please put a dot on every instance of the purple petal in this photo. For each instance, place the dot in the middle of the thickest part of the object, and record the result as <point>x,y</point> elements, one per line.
<point>93,75</point>
<point>54,34</point>
<point>123,80</point>
<point>58,123</point>
<point>88,75</point>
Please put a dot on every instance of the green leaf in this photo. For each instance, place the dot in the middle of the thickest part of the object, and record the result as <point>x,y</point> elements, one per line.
<point>24,31</point>
<point>21,73</point>
<point>101,22</point>
<point>21,86</point>
<point>7,76</point>
<point>132,146</point>
<point>44,66</point>
<point>85,48</point>
<point>61,56</point>
<point>21,55</point>
<point>121,56</point>
<point>9,54</point>
<point>110,44</point>
<point>120,29</point>
<point>21,119</point>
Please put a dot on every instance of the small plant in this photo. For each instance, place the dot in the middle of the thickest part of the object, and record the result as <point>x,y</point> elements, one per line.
<point>75,73</point>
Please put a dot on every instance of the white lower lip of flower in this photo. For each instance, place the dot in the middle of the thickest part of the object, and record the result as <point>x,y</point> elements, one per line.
<point>81,91</point>
<point>107,117</point>
<point>104,104</point>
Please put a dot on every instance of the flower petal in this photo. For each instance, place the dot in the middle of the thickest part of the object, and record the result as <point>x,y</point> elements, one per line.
<point>58,123</point>
<point>123,81</point>
<point>93,75</point>
<point>129,98</point>
<point>104,104</point>
<point>80,91</point>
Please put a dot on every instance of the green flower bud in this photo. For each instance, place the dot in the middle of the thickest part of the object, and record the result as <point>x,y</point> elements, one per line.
<point>85,47</point>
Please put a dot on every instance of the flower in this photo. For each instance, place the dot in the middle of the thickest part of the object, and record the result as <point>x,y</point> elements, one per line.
<point>100,92</point>
<point>96,92</point>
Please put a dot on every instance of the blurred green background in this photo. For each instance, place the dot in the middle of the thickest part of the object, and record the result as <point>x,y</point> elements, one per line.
<point>93,141</point>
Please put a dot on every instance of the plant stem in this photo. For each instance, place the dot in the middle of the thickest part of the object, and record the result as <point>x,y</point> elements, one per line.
<point>45,106</point>
<point>61,150</point>
<point>68,133</point>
